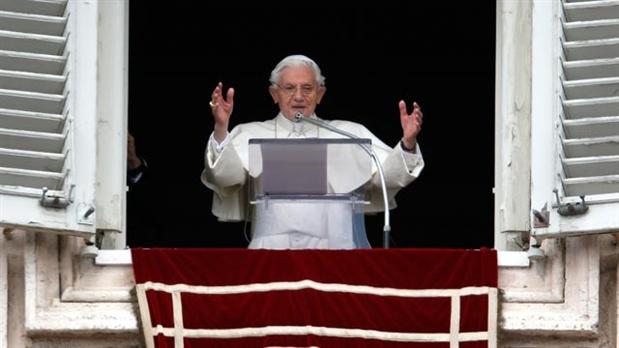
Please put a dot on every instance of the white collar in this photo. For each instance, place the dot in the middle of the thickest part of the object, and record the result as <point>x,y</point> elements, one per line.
<point>291,129</point>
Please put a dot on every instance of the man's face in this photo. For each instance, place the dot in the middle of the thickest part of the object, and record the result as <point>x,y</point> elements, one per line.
<point>297,91</point>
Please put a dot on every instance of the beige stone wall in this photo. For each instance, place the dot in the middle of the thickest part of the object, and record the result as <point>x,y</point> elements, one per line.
<point>585,312</point>
<point>55,297</point>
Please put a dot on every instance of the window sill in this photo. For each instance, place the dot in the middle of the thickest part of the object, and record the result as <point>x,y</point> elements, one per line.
<point>121,257</point>
<point>506,259</point>
<point>513,259</point>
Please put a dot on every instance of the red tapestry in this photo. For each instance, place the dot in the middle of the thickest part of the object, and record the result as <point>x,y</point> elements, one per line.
<point>317,298</point>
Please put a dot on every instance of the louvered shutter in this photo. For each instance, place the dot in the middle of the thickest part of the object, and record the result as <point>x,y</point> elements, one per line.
<point>590,117</point>
<point>587,126</point>
<point>40,115</point>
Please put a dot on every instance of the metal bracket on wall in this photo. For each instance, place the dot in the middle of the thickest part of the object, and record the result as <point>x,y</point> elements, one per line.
<point>541,219</point>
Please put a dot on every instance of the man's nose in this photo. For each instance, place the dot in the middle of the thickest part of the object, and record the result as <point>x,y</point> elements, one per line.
<point>298,93</point>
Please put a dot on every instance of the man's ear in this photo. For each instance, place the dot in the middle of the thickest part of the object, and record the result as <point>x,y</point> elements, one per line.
<point>273,93</point>
<point>320,93</point>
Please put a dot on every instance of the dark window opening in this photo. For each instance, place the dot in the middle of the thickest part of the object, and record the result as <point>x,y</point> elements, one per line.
<point>442,56</point>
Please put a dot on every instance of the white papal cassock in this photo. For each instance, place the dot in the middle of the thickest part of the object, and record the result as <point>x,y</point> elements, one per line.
<point>300,225</point>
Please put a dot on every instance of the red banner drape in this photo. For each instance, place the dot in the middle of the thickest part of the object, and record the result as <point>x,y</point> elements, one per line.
<point>317,298</point>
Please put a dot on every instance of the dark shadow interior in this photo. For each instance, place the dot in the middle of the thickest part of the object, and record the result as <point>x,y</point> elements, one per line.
<point>440,55</point>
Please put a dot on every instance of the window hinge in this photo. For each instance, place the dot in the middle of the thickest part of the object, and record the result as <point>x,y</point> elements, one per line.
<point>571,209</point>
<point>56,202</point>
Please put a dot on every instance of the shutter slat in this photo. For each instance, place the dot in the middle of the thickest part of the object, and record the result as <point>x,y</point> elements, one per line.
<point>32,62</point>
<point>32,101</point>
<point>31,121</point>
<point>33,43</point>
<point>593,68</point>
<point>590,147</point>
<point>592,49</point>
<point>32,160</point>
<point>34,82</point>
<point>41,7</point>
<point>594,107</point>
<point>592,127</point>
<point>592,30</point>
<point>31,178</point>
<point>581,89</point>
<point>591,10</point>
<point>591,185</point>
<point>31,141</point>
<point>31,23</point>
<point>591,166</point>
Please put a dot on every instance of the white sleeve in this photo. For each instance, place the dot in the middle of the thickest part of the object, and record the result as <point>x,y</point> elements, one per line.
<point>412,160</point>
<point>215,145</point>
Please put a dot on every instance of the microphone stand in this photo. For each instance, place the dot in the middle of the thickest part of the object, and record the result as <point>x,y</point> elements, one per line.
<point>298,117</point>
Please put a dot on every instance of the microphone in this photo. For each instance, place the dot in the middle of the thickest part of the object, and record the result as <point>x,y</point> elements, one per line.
<point>299,117</point>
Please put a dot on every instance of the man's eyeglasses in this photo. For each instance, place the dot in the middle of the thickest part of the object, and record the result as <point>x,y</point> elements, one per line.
<point>290,90</point>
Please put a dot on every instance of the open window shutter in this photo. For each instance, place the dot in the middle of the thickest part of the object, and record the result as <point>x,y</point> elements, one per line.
<point>590,156</point>
<point>47,115</point>
<point>588,123</point>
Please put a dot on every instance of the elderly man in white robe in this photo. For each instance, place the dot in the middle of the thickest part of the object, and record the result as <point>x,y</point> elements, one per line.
<point>297,86</point>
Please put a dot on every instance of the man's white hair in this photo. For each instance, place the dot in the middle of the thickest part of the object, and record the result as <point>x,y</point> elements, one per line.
<point>295,61</point>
